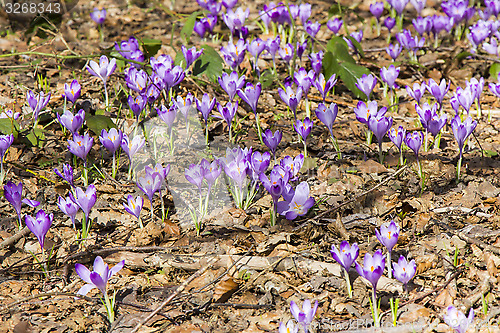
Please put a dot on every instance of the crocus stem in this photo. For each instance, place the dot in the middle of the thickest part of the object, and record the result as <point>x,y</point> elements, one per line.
<point>113,171</point>
<point>206,134</point>
<point>401,161</point>
<point>376,318</point>
<point>109,308</point>
<point>380,153</point>
<point>274,213</point>
<point>2,174</point>
<point>230,136</point>
<point>130,170</point>
<point>348,282</point>
<point>336,146</point>
<point>369,135</point>
<point>85,174</point>
<point>259,130</point>
<point>140,222</point>
<point>106,95</point>
<point>389,265</point>
<point>426,139</point>
<point>305,149</point>
<point>45,265</point>
<point>437,140</point>
<point>84,226</point>
<point>308,110</point>
<point>162,207</point>
<point>459,166</point>
<point>152,213</point>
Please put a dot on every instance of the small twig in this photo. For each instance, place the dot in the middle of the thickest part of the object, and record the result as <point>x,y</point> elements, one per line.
<point>14,238</point>
<point>55,293</point>
<point>173,295</point>
<point>394,175</point>
<point>241,306</point>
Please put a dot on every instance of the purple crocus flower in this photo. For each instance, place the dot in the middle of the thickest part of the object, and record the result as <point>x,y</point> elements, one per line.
<point>397,136</point>
<point>290,327</point>
<point>303,128</point>
<point>228,112</point>
<point>346,254</point>
<point>425,113</point>
<point>275,184</point>
<point>205,106</point>
<point>134,206</point>
<point>422,25</point>
<point>377,9</point>
<point>67,174</point>
<point>394,50</point>
<point>131,147</point>
<point>137,80</point>
<point>190,55</point>
<point>235,20</point>
<point>327,115</point>
<point>306,316</point>
<point>388,236</point>
<point>68,207</point>
<point>80,145</point>
<point>438,91</point>
<point>112,140</point>
<point>464,97</point>
<point>183,104</point>
<point>5,143</point>
<point>102,70</point>
<point>491,47</point>
<point>229,3</point>
<point>70,121</point>
<point>304,12</point>
<point>436,123</point>
<point>194,174</point>
<point>389,23</point>
<point>150,184</point>
<point>334,25</point>
<point>379,125</point>
<point>255,48</point>
<point>414,141</point>
<point>85,200</point>
<point>37,102</point>
<point>99,277</point>
<point>364,112</point>
<point>137,104</point>
<point>317,61</point>
<point>404,271</point>
<point>312,28</point>
<point>129,49</point>
<point>231,83</point>
<point>419,5</point>
<point>372,270</point>
<point>259,162</point>
<point>462,130</point>
<point>8,113</point>
<point>292,165</point>
<point>272,140</point>
<point>323,85</point>
<point>237,171</point>
<point>168,115</point>
<point>299,204</point>
<point>304,79</point>
<point>286,53</point>
<point>366,83</point>
<point>417,92</point>
<point>39,225</point>
<point>272,46</point>
<point>389,75</point>
<point>399,6</point>
<point>291,98</point>
<point>234,53</point>
<point>457,320</point>
<point>211,171</point>
<point>98,15</point>
<point>14,193</point>
<point>251,95</point>
<point>72,91</point>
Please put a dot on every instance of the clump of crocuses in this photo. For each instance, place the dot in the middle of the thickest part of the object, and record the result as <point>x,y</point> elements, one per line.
<point>98,278</point>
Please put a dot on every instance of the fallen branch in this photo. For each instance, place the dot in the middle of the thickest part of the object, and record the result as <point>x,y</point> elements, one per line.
<point>14,238</point>
<point>192,263</point>
<point>179,290</point>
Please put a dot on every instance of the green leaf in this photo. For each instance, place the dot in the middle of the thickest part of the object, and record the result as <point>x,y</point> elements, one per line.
<point>336,10</point>
<point>462,55</point>
<point>7,126</point>
<point>150,46</point>
<point>494,70</point>
<point>180,59</point>
<point>358,47</point>
<point>267,79</point>
<point>187,29</point>
<point>96,123</point>
<point>347,71</point>
<point>338,47</point>
<point>209,63</point>
<point>489,153</point>
<point>37,139</point>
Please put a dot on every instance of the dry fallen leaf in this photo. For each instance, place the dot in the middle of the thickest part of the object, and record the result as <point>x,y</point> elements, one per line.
<point>224,289</point>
